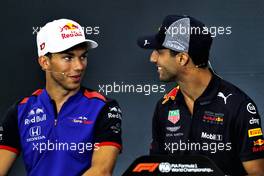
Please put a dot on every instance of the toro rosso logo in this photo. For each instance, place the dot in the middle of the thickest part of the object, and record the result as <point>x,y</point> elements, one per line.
<point>69,26</point>
<point>81,120</point>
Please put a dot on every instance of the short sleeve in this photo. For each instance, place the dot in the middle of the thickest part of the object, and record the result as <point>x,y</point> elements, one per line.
<point>9,133</point>
<point>250,142</point>
<point>108,126</point>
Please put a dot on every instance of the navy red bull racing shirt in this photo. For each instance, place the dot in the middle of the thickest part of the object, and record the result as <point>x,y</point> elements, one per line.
<point>225,126</point>
<point>63,143</point>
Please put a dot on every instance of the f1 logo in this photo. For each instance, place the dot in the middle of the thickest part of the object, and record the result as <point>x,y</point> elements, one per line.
<point>146,167</point>
<point>35,131</point>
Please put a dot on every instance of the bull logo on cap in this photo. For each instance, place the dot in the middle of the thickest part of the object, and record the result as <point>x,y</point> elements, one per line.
<point>69,26</point>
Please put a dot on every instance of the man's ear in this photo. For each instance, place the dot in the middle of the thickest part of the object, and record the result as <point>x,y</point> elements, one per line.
<point>184,58</point>
<point>44,62</point>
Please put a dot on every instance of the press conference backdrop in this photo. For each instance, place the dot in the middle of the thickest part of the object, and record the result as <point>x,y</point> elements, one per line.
<point>115,25</point>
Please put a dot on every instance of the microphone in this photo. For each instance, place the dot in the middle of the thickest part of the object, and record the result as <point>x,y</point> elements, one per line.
<point>63,73</point>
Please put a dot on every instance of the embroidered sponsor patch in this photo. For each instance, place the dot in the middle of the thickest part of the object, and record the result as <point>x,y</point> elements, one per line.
<point>174,116</point>
<point>254,132</point>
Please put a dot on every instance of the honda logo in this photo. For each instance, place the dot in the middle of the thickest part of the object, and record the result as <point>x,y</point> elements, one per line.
<point>34,131</point>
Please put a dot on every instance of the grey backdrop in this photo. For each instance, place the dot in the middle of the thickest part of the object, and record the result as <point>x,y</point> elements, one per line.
<point>237,57</point>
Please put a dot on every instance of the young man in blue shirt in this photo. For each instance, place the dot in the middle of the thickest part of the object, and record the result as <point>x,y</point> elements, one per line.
<point>63,129</point>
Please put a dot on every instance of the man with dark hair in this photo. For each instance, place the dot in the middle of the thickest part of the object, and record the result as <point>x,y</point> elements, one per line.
<point>63,129</point>
<point>204,114</point>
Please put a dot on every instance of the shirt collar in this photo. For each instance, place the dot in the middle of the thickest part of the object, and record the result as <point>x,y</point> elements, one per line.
<point>46,97</point>
<point>207,96</point>
<point>211,90</point>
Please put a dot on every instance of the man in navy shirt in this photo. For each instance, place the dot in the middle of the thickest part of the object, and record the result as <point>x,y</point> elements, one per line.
<point>204,114</point>
<point>63,129</point>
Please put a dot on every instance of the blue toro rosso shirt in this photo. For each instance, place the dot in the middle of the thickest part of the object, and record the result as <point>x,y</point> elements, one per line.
<point>61,143</point>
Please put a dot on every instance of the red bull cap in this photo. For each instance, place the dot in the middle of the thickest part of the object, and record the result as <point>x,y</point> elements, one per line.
<point>60,35</point>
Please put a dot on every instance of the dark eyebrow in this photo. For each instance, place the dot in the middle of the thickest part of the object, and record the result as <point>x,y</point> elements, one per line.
<point>84,53</point>
<point>68,53</point>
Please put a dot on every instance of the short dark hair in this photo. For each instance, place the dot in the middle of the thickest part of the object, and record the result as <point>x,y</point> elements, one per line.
<point>200,58</point>
<point>199,49</point>
<point>48,55</point>
<point>173,53</point>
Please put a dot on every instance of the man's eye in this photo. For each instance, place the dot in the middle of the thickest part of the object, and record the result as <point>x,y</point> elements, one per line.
<point>84,57</point>
<point>67,58</point>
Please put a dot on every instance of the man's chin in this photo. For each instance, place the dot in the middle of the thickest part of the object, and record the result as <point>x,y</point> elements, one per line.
<point>73,87</point>
<point>165,80</point>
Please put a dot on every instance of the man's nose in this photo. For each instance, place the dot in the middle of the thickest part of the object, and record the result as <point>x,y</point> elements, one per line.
<point>154,56</point>
<point>79,64</point>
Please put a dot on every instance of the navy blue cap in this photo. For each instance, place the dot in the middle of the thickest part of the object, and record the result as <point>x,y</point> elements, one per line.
<point>181,33</point>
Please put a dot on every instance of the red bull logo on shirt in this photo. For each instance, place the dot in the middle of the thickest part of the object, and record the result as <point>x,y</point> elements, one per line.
<point>213,118</point>
<point>259,142</point>
<point>258,145</point>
